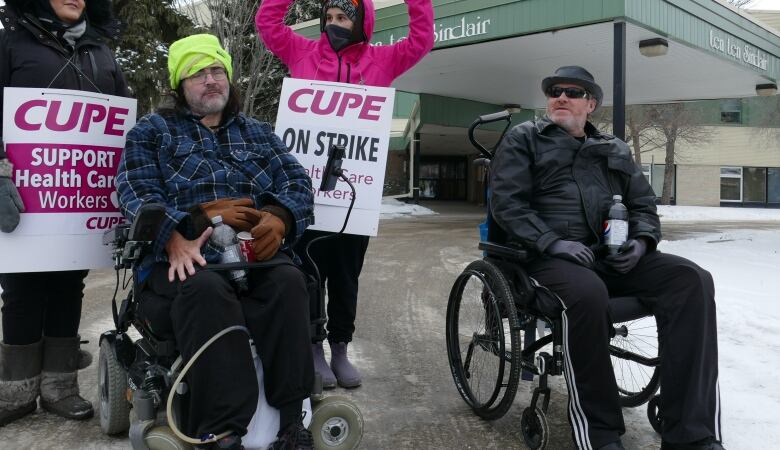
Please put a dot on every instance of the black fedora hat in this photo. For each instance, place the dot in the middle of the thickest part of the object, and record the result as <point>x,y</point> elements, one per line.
<point>574,75</point>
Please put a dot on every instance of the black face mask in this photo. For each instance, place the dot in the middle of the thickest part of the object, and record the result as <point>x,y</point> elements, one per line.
<point>338,37</point>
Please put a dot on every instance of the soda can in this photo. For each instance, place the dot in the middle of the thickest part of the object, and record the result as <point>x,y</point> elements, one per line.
<point>245,244</point>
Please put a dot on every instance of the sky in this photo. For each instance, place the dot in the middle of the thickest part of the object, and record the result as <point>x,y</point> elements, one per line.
<point>765,4</point>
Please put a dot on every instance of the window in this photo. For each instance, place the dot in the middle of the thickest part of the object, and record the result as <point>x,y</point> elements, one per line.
<point>731,111</point>
<point>773,185</point>
<point>731,184</point>
<point>657,180</point>
<point>754,185</point>
<point>647,172</point>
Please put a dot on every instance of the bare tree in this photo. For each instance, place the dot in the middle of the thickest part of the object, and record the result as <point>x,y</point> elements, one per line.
<point>257,73</point>
<point>652,127</point>
<point>740,3</point>
<point>639,128</point>
<point>674,123</point>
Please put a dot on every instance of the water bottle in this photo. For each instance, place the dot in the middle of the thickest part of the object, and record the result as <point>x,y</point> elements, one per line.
<point>616,227</point>
<point>224,238</point>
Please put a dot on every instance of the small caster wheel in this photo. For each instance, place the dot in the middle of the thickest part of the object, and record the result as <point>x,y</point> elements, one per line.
<point>535,430</point>
<point>336,424</point>
<point>654,414</point>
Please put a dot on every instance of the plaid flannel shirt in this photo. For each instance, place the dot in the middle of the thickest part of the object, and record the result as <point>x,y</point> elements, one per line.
<point>177,161</point>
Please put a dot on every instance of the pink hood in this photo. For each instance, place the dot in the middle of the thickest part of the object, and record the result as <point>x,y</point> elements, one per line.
<point>359,63</point>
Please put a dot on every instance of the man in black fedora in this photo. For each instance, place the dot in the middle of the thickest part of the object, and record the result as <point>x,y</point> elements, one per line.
<point>552,184</point>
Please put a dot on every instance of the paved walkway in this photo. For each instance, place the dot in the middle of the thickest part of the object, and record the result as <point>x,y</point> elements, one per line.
<point>408,398</point>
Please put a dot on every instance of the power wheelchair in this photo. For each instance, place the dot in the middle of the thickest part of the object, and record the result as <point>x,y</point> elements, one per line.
<point>136,378</point>
<point>493,301</point>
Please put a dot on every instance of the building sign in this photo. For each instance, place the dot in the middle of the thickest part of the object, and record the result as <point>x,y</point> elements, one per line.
<point>453,29</point>
<point>65,147</point>
<point>741,52</point>
<point>315,115</point>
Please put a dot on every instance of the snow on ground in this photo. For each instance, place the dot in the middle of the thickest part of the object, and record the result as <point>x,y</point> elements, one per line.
<point>392,208</point>
<point>707,213</point>
<point>744,264</point>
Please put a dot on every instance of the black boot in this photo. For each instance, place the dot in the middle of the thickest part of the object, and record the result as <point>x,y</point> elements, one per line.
<point>59,379</point>
<point>20,380</point>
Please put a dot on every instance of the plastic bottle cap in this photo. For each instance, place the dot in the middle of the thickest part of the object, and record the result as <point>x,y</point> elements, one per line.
<point>216,220</point>
<point>617,198</point>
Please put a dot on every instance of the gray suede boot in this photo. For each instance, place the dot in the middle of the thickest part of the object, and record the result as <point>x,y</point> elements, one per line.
<point>321,366</point>
<point>59,379</point>
<point>346,374</point>
<point>20,380</point>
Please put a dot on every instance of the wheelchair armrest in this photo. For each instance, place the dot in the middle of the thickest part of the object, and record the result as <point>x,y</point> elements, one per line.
<point>512,254</point>
<point>147,223</point>
<point>624,309</point>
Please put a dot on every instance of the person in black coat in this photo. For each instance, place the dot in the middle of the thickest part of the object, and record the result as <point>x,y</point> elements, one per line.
<point>58,44</point>
<point>552,183</point>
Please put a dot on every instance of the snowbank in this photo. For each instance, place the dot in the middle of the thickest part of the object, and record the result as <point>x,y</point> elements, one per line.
<point>392,208</point>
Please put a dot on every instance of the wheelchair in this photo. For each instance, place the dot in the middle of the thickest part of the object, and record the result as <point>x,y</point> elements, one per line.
<point>494,303</point>
<point>139,381</point>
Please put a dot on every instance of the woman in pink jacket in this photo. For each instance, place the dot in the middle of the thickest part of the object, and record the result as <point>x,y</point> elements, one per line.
<point>343,53</point>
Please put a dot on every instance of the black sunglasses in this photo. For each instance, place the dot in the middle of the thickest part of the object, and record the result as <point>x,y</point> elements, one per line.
<point>571,92</point>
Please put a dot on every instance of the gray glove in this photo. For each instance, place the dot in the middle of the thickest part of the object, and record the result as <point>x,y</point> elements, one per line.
<point>10,202</point>
<point>628,255</point>
<point>573,251</point>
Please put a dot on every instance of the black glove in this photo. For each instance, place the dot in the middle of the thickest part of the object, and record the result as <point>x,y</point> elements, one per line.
<point>10,202</point>
<point>628,255</point>
<point>573,251</point>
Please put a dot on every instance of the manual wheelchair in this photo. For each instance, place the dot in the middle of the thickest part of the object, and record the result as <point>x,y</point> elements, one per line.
<point>139,382</point>
<point>493,301</point>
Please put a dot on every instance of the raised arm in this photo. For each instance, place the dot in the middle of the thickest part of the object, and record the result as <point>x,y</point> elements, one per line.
<point>419,42</point>
<point>279,38</point>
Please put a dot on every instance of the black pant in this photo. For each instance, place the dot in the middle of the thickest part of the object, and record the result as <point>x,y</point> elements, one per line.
<point>339,259</point>
<point>684,309</point>
<point>41,303</point>
<point>223,385</point>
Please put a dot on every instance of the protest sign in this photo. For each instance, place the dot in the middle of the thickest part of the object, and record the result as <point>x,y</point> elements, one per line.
<point>65,148</point>
<point>315,115</point>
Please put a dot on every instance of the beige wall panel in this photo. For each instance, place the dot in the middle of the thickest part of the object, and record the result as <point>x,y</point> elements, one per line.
<point>698,185</point>
<point>728,146</point>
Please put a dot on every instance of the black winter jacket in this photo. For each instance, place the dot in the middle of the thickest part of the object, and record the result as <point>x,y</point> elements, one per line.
<point>30,56</point>
<point>547,185</point>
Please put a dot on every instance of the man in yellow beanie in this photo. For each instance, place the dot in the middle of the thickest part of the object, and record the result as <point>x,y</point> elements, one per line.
<point>202,158</point>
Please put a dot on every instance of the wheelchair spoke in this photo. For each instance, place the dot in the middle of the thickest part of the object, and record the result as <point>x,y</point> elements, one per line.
<point>480,335</point>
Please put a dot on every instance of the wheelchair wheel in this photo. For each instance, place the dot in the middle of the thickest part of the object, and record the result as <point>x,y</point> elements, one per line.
<point>112,392</point>
<point>336,424</point>
<point>483,340</point>
<point>654,414</point>
<point>536,431</point>
<point>163,438</point>
<point>637,382</point>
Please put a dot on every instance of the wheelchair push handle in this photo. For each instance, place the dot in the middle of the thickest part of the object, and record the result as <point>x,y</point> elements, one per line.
<point>485,119</point>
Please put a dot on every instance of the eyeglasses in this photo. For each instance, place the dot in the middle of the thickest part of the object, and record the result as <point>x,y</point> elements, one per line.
<point>217,73</point>
<point>571,92</point>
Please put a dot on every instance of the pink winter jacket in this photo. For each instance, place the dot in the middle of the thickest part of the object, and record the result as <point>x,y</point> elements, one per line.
<point>359,63</point>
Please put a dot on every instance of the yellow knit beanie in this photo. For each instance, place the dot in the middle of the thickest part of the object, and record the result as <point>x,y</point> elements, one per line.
<point>193,53</point>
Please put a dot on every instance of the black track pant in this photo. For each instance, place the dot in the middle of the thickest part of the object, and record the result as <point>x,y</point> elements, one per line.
<point>339,259</point>
<point>684,309</point>
<point>223,384</point>
<point>41,303</point>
